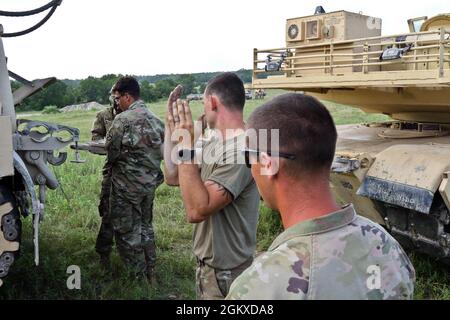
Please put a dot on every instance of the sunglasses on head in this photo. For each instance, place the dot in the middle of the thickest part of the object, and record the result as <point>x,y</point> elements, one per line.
<point>247,153</point>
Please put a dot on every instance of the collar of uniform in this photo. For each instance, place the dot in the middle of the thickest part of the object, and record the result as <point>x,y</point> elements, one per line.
<point>113,111</point>
<point>136,104</point>
<point>322,224</point>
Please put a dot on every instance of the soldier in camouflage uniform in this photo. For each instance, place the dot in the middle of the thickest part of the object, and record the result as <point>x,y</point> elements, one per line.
<point>100,127</point>
<point>325,252</point>
<point>133,146</point>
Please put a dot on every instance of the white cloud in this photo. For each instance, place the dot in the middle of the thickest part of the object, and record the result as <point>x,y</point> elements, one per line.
<point>95,37</point>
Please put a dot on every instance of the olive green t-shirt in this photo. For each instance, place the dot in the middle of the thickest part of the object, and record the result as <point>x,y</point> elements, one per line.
<point>228,237</point>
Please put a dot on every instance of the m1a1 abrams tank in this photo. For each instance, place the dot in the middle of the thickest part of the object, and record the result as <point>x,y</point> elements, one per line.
<point>26,147</point>
<point>396,173</point>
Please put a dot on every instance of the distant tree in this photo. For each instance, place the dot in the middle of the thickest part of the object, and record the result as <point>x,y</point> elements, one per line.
<point>188,83</point>
<point>153,88</point>
<point>56,94</point>
<point>245,75</point>
<point>162,88</point>
<point>95,89</point>
<point>201,88</point>
<point>73,96</point>
<point>147,92</point>
<point>110,79</point>
<point>15,85</point>
<point>201,77</point>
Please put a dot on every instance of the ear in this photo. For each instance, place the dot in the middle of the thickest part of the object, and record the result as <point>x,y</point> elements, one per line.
<point>269,165</point>
<point>214,102</point>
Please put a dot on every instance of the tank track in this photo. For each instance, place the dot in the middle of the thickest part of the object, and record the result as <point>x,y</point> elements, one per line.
<point>10,227</point>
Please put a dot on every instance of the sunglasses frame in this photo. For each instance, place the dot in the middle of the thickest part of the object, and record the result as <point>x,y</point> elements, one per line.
<point>247,152</point>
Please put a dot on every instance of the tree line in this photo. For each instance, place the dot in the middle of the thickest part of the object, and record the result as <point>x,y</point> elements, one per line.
<point>153,88</point>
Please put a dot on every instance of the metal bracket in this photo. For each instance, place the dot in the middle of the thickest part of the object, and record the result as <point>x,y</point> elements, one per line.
<point>444,189</point>
<point>345,165</point>
<point>37,206</point>
<point>77,155</point>
<point>56,161</point>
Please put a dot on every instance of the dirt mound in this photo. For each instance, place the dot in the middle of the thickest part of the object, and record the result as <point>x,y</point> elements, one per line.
<point>84,107</point>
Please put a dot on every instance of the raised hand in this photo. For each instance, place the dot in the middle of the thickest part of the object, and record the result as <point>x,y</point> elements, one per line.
<point>182,121</point>
<point>173,97</point>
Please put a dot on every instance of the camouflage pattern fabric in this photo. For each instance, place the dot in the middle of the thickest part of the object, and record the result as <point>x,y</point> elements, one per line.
<point>147,233</point>
<point>214,284</point>
<point>338,256</point>
<point>100,127</point>
<point>133,150</point>
<point>133,147</point>
<point>132,224</point>
<point>102,123</point>
<point>106,235</point>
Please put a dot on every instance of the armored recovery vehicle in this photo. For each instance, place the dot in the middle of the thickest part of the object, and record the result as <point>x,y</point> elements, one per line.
<point>26,149</point>
<point>397,173</point>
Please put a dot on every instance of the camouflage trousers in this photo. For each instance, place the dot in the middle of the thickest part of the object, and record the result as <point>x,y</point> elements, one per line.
<point>105,236</point>
<point>131,220</point>
<point>214,284</point>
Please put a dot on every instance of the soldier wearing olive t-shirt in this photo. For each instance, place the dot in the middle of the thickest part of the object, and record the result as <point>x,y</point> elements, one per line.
<point>219,194</point>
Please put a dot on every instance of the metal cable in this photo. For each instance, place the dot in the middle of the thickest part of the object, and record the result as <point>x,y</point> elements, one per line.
<point>61,187</point>
<point>53,3</point>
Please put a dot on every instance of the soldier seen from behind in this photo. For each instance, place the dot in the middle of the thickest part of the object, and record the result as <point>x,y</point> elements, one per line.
<point>326,251</point>
<point>134,145</point>
<point>100,127</point>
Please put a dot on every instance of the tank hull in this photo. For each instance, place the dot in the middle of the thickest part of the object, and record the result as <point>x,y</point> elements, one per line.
<point>399,183</point>
<point>424,104</point>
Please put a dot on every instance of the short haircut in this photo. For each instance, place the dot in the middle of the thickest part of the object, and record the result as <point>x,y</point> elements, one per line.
<point>128,85</point>
<point>229,88</point>
<point>306,130</point>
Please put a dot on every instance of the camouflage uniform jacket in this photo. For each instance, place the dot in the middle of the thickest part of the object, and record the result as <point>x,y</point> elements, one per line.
<point>102,123</point>
<point>338,256</point>
<point>133,150</point>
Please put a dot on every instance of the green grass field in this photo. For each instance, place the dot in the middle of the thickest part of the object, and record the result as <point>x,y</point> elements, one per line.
<point>71,223</point>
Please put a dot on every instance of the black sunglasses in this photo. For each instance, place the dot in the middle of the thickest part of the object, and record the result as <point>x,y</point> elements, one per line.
<point>116,98</point>
<point>247,153</point>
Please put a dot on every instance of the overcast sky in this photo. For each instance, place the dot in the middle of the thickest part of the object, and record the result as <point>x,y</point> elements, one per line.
<point>142,37</point>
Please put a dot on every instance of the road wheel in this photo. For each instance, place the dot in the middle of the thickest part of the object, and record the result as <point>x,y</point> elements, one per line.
<point>10,230</point>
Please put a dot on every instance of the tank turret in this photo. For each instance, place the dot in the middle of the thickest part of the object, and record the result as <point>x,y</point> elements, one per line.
<point>397,172</point>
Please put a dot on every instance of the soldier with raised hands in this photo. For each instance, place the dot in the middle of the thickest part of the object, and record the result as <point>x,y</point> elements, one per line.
<point>219,194</point>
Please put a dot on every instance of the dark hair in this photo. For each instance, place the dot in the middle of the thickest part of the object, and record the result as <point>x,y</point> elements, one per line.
<point>229,88</point>
<point>306,130</point>
<point>128,85</point>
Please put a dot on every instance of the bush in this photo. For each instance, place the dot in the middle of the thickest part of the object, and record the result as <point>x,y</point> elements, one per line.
<point>51,110</point>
